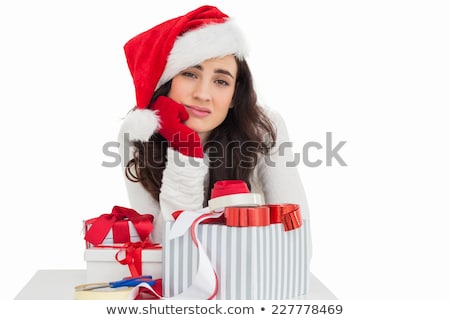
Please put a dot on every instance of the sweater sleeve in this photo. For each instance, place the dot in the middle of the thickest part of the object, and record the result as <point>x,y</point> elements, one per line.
<point>277,172</point>
<point>139,198</point>
<point>182,184</point>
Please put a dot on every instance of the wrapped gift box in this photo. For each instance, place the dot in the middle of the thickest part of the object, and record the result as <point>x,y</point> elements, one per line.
<point>264,262</point>
<point>102,265</point>
<point>122,225</point>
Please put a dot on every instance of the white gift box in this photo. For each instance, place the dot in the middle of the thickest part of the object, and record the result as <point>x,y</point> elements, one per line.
<point>102,266</point>
<point>250,262</point>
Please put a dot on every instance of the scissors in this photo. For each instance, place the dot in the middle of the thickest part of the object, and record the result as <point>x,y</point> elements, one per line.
<point>125,282</point>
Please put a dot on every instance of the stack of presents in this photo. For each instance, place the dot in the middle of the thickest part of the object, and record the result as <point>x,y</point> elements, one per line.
<point>236,248</point>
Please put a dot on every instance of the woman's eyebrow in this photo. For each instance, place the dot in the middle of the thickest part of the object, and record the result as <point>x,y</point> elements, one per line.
<point>221,71</point>
<point>225,72</point>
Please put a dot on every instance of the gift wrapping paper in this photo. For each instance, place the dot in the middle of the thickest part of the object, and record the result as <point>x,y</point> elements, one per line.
<point>264,262</point>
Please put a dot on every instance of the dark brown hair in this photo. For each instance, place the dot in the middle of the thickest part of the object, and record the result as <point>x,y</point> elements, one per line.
<point>233,147</point>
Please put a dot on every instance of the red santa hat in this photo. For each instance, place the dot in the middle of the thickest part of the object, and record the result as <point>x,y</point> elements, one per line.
<point>155,56</point>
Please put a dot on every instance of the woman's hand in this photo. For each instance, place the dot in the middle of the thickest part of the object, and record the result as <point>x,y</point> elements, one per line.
<point>172,116</point>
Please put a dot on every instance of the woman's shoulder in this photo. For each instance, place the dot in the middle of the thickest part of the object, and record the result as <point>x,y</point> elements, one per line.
<point>278,123</point>
<point>274,116</point>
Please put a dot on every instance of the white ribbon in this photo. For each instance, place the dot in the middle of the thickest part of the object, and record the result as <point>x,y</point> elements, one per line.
<point>205,283</point>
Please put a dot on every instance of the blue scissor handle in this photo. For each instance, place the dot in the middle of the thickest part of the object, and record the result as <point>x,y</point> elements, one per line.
<point>132,282</point>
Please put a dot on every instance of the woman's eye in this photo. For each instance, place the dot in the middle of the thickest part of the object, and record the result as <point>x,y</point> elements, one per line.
<point>188,74</point>
<point>222,82</point>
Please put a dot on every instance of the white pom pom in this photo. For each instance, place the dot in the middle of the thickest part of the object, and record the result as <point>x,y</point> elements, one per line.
<point>140,124</point>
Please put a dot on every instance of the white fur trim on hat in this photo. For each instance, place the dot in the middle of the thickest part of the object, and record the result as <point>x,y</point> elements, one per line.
<point>198,45</point>
<point>140,124</point>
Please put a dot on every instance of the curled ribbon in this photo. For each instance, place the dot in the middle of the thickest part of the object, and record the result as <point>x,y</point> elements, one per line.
<point>117,220</point>
<point>287,213</point>
<point>205,284</point>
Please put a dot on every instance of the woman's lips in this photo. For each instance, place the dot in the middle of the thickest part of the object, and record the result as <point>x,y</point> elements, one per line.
<point>197,111</point>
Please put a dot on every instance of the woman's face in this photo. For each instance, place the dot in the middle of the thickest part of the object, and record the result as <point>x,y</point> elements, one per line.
<point>206,91</point>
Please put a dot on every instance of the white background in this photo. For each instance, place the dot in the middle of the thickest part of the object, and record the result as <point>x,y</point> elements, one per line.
<point>374,73</point>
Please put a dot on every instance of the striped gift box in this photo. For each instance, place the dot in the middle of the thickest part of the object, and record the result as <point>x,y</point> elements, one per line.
<point>250,262</point>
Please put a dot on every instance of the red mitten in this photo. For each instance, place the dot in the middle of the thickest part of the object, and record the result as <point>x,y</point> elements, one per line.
<point>172,116</point>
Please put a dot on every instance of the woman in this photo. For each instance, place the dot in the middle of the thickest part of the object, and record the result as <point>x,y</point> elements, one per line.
<point>197,120</point>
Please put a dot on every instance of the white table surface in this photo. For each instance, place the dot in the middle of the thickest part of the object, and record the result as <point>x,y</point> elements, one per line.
<point>59,285</point>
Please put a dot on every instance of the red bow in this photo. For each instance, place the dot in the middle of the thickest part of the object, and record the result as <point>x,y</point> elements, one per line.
<point>118,221</point>
<point>133,255</point>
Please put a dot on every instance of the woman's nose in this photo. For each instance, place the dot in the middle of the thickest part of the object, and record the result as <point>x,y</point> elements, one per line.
<point>202,91</point>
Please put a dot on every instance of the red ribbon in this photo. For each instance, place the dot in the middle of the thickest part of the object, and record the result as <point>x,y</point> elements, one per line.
<point>287,213</point>
<point>219,220</point>
<point>133,255</point>
<point>118,220</point>
<point>155,293</point>
<point>247,216</point>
